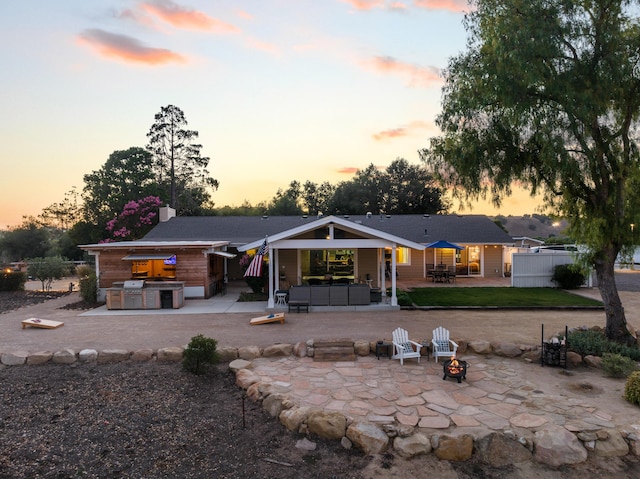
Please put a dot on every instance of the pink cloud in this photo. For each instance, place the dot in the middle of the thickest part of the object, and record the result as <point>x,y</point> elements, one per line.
<point>348,170</point>
<point>457,6</point>
<point>418,76</point>
<point>123,47</point>
<point>181,17</point>
<point>402,131</point>
<point>365,4</point>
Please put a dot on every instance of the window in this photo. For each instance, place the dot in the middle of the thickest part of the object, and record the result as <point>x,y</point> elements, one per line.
<point>403,256</point>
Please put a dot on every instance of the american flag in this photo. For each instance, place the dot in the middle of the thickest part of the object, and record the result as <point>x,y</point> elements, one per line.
<point>255,268</point>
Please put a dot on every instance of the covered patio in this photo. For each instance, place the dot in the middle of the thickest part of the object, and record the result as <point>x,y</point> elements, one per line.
<point>333,250</point>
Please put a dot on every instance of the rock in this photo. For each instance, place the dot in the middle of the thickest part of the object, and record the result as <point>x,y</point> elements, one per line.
<point>362,348</point>
<point>509,350</point>
<point>497,450</point>
<point>480,347</point>
<point>272,404</point>
<point>613,446</point>
<point>249,352</point>
<point>113,355</point>
<point>40,357</point>
<point>227,353</point>
<point>245,378</point>
<point>64,356</point>
<point>172,354</point>
<point>277,351</point>
<point>412,446</point>
<point>306,445</point>
<point>346,443</point>
<point>88,356</point>
<point>142,355</point>
<point>294,417</point>
<point>455,448</point>
<point>532,356</point>
<point>463,345</point>
<point>367,437</point>
<point>17,358</point>
<point>326,424</point>
<point>573,359</point>
<point>555,446</point>
<point>593,361</point>
<point>238,364</point>
<point>300,350</point>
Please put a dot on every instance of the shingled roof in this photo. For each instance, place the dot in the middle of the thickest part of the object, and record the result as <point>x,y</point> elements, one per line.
<point>240,230</point>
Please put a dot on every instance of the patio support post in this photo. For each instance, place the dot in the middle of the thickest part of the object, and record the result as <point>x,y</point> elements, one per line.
<point>381,270</point>
<point>394,297</point>
<point>270,302</point>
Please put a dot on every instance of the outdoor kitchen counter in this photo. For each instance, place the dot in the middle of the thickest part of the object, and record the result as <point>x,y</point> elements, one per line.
<point>139,294</point>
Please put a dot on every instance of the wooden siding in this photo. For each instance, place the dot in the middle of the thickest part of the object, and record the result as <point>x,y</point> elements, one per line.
<point>493,261</point>
<point>192,267</point>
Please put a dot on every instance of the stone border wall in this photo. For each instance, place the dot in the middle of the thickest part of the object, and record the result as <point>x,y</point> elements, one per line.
<point>553,445</point>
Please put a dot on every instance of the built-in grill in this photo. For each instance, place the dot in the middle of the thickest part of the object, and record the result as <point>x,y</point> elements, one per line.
<point>132,292</point>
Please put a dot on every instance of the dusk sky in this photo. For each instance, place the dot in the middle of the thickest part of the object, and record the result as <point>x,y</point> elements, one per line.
<point>279,90</point>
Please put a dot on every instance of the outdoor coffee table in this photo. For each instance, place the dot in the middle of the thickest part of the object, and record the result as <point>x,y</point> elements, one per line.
<point>41,323</point>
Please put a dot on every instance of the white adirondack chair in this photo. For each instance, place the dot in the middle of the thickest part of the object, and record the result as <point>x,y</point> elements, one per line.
<point>403,346</point>
<point>442,345</point>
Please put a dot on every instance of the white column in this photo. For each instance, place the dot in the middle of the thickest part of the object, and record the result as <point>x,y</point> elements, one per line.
<point>270,302</point>
<point>394,297</point>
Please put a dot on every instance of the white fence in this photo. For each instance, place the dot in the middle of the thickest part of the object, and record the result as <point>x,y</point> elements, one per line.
<point>534,270</point>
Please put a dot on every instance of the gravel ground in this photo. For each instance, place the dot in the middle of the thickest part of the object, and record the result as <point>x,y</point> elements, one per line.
<point>152,420</point>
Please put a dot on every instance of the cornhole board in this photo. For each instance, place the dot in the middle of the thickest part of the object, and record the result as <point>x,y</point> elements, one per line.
<point>41,323</point>
<point>272,318</point>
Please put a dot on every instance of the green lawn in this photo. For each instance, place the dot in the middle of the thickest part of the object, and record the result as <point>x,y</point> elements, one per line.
<point>505,297</point>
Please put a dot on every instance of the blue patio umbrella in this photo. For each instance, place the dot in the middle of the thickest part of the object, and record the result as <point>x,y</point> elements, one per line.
<point>442,244</point>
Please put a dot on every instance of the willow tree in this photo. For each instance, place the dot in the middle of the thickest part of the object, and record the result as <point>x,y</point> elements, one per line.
<point>546,95</point>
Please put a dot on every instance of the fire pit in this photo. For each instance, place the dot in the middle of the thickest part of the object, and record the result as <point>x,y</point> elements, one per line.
<point>454,368</point>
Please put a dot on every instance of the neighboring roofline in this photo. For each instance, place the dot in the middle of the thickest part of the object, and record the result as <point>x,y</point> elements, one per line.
<point>527,238</point>
<point>325,220</point>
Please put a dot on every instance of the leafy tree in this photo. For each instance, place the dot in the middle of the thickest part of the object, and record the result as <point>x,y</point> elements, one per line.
<point>177,162</point>
<point>317,197</point>
<point>136,220</point>
<point>31,238</point>
<point>547,95</point>
<point>246,209</point>
<point>286,202</point>
<point>410,189</point>
<point>400,189</point>
<point>364,193</point>
<point>126,176</point>
<point>47,269</point>
<point>65,214</point>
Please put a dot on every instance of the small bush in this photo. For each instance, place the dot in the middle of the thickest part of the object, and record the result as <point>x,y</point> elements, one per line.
<point>587,343</point>
<point>632,388</point>
<point>89,286</point>
<point>568,276</point>
<point>618,366</point>
<point>199,354</point>
<point>12,281</point>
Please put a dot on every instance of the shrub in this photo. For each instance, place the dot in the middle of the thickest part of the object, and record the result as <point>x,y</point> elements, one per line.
<point>89,286</point>
<point>618,366</point>
<point>595,343</point>
<point>587,343</point>
<point>12,281</point>
<point>199,354</point>
<point>632,388</point>
<point>568,276</point>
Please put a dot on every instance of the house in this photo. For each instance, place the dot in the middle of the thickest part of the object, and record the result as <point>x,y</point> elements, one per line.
<point>371,249</point>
